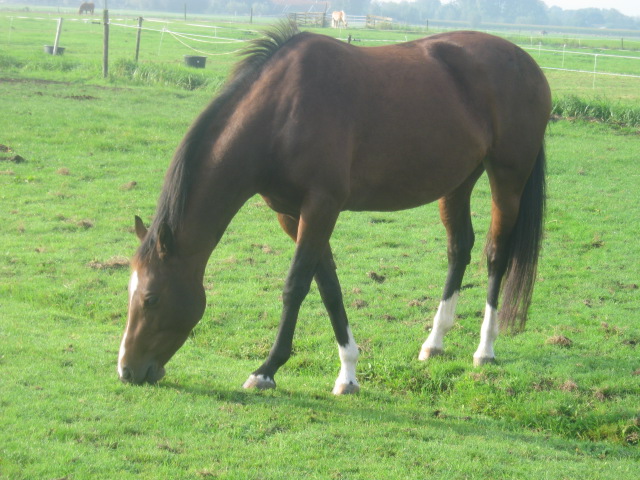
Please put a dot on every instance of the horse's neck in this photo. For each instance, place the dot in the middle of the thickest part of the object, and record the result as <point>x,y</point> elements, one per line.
<point>226,152</point>
<point>218,191</point>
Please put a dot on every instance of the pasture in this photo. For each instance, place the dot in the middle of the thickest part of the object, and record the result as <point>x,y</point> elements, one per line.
<point>81,156</point>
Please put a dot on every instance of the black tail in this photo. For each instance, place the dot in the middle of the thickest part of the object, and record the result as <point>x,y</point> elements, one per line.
<point>525,244</point>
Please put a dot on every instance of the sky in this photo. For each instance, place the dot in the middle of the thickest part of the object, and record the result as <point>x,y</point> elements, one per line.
<point>626,7</point>
<point>630,8</point>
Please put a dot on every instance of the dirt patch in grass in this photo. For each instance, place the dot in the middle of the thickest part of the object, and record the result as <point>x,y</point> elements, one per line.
<point>358,304</point>
<point>559,340</point>
<point>603,394</point>
<point>129,186</point>
<point>376,277</point>
<point>114,263</point>
<point>12,158</point>
<point>569,386</point>
<point>81,97</point>
<point>86,224</point>
<point>264,247</point>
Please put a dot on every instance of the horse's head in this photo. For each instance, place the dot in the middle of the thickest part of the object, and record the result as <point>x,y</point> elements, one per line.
<point>166,300</point>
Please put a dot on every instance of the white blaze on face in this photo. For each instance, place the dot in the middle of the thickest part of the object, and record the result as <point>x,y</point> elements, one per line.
<point>133,286</point>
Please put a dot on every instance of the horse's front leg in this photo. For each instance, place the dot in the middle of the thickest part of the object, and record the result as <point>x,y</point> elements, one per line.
<point>331,293</point>
<point>316,223</point>
<point>295,290</point>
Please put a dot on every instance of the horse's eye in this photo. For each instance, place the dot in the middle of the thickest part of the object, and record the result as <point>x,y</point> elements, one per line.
<point>151,301</point>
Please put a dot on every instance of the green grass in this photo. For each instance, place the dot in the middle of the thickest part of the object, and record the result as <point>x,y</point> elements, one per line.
<point>561,403</point>
<point>161,57</point>
<point>597,109</point>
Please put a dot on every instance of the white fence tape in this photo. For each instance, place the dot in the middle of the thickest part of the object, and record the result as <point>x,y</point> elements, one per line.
<point>183,38</point>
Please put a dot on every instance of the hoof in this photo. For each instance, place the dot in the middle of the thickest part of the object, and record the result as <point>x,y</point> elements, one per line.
<point>480,361</point>
<point>261,382</point>
<point>346,389</point>
<point>427,353</point>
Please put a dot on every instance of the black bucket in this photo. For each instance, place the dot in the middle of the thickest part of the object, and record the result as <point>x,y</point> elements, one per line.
<point>195,61</point>
<point>49,49</point>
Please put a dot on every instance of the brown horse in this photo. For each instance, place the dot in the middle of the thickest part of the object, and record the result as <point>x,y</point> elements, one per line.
<point>317,126</point>
<point>86,7</point>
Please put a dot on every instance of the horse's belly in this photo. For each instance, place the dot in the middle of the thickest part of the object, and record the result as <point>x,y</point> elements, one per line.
<point>396,189</point>
<point>385,200</point>
<point>411,175</point>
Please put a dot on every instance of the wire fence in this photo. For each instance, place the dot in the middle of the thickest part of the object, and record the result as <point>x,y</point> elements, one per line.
<point>224,40</point>
<point>188,39</point>
<point>594,64</point>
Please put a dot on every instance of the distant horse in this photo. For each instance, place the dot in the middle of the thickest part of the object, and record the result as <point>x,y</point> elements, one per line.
<point>318,126</point>
<point>338,18</point>
<point>86,7</point>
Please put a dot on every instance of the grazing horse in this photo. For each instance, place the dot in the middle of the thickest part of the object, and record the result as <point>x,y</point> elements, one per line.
<point>86,7</point>
<point>317,126</point>
<point>338,18</point>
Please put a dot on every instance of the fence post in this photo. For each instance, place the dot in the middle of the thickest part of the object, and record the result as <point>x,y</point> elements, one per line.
<point>164,29</point>
<point>251,16</point>
<point>10,30</point>
<point>138,37</point>
<point>57,40</point>
<point>105,44</point>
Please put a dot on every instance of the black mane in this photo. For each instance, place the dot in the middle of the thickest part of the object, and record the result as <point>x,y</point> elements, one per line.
<point>179,176</point>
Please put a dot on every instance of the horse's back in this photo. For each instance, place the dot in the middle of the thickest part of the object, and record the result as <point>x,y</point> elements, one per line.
<point>402,125</point>
<point>515,91</point>
<point>479,63</point>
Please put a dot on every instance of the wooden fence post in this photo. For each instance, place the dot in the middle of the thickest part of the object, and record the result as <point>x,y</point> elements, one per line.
<point>138,37</point>
<point>105,44</point>
<point>57,40</point>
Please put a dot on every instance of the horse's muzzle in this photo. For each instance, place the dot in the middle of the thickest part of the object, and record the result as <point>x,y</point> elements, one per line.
<point>151,373</point>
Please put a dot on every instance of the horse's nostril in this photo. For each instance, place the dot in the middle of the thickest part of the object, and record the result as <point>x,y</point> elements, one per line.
<point>127,374</point>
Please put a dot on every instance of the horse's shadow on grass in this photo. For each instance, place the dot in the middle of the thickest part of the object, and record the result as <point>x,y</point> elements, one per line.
<point>365,408</point>
<point>424,421</point>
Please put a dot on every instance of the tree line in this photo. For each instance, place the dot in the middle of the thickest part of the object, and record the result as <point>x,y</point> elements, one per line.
<point>517,12</point>
<point>418,12</point>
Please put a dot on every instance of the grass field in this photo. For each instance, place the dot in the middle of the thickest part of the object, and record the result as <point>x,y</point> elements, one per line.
<point>162,50</point>
<point>84,155</point>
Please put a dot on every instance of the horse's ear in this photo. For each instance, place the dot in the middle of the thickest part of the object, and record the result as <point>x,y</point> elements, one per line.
<point>141,230</point>
<point>165,243</point>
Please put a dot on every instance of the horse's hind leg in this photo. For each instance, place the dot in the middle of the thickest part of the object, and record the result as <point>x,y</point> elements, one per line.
<point>455,212</point>
<point>504,213</point>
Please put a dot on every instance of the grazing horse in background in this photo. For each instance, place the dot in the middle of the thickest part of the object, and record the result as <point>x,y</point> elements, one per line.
<point>338,18</point>
<point>317,126</point>
<point>86,7</point>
